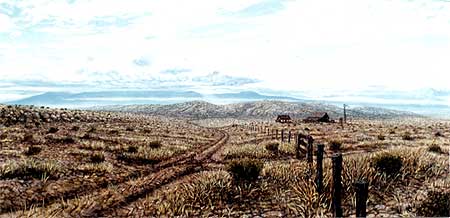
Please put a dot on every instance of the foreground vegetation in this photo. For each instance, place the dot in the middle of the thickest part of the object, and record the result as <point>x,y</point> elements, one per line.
<point>121,165</point>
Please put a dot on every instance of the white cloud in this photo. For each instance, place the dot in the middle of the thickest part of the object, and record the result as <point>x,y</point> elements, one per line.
<point>6,24</point>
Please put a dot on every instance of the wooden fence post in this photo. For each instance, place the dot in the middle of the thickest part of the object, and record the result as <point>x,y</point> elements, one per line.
<point>319,168</point>
<point>309,148</point>
<point>276,134</point>
<point>297,148</point>
<point>362,189</point>
<point>282,135</point>
<point>337,185</point>
<point>289,137</point>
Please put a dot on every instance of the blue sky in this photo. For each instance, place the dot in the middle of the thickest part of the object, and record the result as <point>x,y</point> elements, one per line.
<point>316,48</point>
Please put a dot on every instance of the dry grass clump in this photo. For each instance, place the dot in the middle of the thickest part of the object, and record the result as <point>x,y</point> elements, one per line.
<point>132,149</point>
<point>52,130</point>
<point>247,150</point>
<point>284,173</point>
<point>287,148</point>
<point>272,146</point>
<point>437,204</point>
<point>93,145</point>
<point>96,168</point>
<point>335,145</point>
<point>32,150</point>
<point>381,137</point>
<point>387,163</point>
<point>435,148</point>
<point>203,192</point>
<point>438,134</point>
<point>155,144</point>
<point>29,138</point>
<point>29,168</point>
<point>97,157</point>
<point>245,170</point>
<point>407,136</point>
<point>146,156</point>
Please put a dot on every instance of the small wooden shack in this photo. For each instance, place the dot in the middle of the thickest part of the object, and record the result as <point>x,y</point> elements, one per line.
<point>318,117</point>
<point>283,119</point>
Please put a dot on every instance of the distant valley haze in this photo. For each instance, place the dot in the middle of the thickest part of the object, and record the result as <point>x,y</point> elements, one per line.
<point>81,54</point>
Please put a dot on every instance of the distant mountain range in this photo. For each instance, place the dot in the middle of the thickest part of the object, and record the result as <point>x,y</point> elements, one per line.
<point>259,109</point>
<point>149,100</point>
<point>88,99</point>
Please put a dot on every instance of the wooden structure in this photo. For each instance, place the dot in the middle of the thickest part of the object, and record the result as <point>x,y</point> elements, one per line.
<point>318,117</point>
<point>283,119</point>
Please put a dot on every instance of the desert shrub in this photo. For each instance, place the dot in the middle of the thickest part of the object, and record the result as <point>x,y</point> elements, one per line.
<point>29,138</point>
<point>68,140</point>
<point>392,132</point>
<point>53,130</point>
<point>75,128</point>
<point>437,204</point>
<point>272,146</point>
<point>92,129</point>
<point>32,150</point>
<point>147,131</point>
<point>387,163</point>
<point>381,137</point>
<point>97,157</point>
<point>438,134</point>
<point>335,145</point>
<point>3,135</point>
<point>129,129</point>
<point>132,149</point>
<point>435,148</point>
<point>245,169</point>
<point>29,168</point>
<point>114,132</point>
<point>155,144</point>
<point>407,136</point>
<point>87,136</point>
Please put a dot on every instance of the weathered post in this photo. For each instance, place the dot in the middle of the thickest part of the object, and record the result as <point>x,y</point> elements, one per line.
<point>309,148</point>
<point>276,134</point>
<point>282,135</point>
<point>319,168</point>
<point>289,137</point>
<point>362,189</point>
<point>297,147</point>
<point>337,185</point>
<point>341,121</point>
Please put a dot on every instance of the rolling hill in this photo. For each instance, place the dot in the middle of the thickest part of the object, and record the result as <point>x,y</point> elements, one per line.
<point>258,109</point>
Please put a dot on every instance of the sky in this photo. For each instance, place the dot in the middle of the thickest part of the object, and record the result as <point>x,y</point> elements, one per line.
<point>305,47</point>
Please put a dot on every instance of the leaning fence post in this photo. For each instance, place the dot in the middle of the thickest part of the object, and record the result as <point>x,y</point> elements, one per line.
<point>337,185</point>
<point>289,137</point>
<point>362,189</point>
<point>319,168</point>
